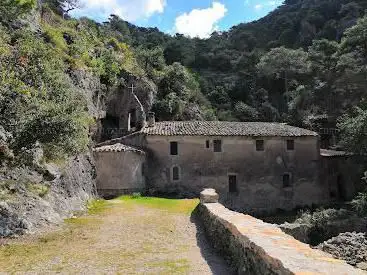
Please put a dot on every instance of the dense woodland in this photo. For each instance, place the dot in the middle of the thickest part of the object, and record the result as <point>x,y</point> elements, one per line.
<point>304,64</point>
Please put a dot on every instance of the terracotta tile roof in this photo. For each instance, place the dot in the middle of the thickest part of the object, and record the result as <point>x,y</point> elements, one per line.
<point>222,128</point>
<point>118,147</point>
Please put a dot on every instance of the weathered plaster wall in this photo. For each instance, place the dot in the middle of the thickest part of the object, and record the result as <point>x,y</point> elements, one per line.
<point>119,172</point>
<point>259,174</point>
<point>254,247</point>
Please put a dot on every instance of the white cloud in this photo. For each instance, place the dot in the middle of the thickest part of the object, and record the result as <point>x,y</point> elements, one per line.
<point>130,10</point>
<point>200,22</point>
<point>262,5</point>
<point>258,7</point>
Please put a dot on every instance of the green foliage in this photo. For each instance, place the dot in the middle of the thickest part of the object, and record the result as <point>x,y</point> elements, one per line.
<point>38,103</point>
<point>359,204</point>
<point>245,113</point>
<point>13,9</point>
<point>179,91</point>
<point>320,222</point>
<point>354,131</point>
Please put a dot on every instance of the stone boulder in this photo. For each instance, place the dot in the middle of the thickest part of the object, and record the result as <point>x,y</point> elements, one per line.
<point>351,247</point>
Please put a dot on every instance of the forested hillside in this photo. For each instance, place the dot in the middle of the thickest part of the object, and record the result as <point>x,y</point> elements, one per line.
<point>305,61</point>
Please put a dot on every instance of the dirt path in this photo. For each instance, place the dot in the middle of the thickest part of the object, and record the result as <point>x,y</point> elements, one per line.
<point>126,236</point>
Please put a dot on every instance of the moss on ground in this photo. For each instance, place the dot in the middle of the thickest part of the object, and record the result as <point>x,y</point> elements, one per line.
<point>186,206</point>
<point>180,266</point>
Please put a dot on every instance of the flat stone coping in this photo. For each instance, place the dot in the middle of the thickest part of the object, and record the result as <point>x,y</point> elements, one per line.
<point>277,248</point>
<point>209,196</point>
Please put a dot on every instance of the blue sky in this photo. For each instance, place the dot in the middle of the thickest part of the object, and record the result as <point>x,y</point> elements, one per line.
<point>190,17</point>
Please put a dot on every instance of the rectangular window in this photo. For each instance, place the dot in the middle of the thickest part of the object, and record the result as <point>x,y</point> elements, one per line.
<point>175,173</point>
<point>207,144</point>
<point>217,144</point>
<point>290,145</point>
<point>232,181</point>
<point>286,180</point>
<point>260,145</point>
<point>174,148</point>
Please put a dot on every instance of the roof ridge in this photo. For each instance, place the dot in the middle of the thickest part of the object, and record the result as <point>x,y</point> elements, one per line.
<point>225,128</point>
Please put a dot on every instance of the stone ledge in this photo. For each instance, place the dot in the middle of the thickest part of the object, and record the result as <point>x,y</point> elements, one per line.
<point>255,247</point>
<point>209,196</point>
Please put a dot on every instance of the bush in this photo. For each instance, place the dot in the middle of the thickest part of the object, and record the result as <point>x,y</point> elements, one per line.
<point>319,222</point>
<point>359,204</point>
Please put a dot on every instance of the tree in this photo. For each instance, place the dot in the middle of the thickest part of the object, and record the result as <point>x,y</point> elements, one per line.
<point>64,6</point>
<point>179,91</point>
<point>245,112</point>
<point>70,5</point>
<point>353,129</point>
<point>352,65</point>
<point>283,63</point>
<point>151,60</point>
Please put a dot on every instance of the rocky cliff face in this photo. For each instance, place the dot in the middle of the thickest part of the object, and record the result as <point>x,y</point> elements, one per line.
<point>31,198</point>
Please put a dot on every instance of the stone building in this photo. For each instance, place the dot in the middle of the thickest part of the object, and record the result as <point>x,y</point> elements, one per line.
<point>254,166</point>
<point>119,169</point>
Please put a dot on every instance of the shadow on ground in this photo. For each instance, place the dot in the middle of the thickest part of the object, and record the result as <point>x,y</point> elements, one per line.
<point>215,261</point>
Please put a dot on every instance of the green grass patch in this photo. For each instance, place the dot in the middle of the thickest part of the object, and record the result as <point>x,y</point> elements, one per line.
<point>180,266</point>
<point>96,206</point>
<point>81,221</point>
<point>21,250</point>
<point>185,206</point>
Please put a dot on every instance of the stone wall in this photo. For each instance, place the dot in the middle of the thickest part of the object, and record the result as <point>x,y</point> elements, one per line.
<point>119,173</point>
<point>254,247</point>
<point>259,173</point>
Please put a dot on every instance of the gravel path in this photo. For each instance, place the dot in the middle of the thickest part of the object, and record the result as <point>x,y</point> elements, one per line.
<point>126,237</point>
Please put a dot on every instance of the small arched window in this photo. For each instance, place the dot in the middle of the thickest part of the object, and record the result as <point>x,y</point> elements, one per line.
<point>175,173</point>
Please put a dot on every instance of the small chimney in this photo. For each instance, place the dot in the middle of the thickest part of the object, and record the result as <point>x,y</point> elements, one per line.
<point>151,119</point>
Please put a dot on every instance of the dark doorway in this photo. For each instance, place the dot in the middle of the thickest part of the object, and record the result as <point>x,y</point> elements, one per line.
<point>232,181</point>
<point>133,119</point>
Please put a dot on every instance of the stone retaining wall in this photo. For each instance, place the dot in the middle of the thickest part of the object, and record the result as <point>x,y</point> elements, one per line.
<point>254,247</point>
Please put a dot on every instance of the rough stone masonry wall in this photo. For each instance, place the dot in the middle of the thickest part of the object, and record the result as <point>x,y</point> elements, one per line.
<point>254,247</point>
